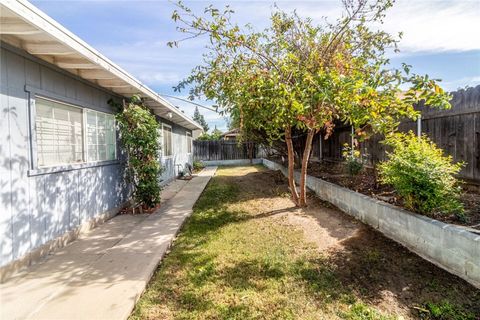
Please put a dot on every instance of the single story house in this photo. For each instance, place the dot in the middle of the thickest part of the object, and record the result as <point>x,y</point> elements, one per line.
<point>61,167</point>
<point>231,135</point>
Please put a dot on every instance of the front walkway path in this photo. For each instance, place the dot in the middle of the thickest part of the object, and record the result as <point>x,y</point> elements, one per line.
<point>102,275</point>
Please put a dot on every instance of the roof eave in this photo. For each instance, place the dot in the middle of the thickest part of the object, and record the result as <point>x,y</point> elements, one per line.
<point>41,36</point>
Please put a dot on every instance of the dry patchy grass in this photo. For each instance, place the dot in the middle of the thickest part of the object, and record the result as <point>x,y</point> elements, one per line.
<point>248,253</point>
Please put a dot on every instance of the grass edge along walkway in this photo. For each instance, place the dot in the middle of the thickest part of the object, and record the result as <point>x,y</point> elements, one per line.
<point>108,287</point>
<point>229,262</point>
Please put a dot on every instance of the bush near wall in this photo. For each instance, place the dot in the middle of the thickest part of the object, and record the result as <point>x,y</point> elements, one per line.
<point>422,174</point>
<point>139,135</point>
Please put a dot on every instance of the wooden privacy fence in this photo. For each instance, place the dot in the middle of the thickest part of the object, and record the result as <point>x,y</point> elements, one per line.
<point>222,150</point>
<point>457,131</point>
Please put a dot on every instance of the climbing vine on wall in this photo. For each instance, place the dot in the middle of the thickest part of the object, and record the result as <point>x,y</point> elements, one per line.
<point>139,135</point>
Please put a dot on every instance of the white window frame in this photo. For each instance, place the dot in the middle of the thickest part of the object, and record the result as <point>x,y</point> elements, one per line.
<point>85,141</point>
<point>84,111</point>
<point>164,125</point>
<point>160,141</point>
<point>83,133</point>
<point>189,145</point>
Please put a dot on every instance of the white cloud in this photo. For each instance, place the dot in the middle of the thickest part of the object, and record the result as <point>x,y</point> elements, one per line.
<point>155,78</point>
<point>139,43</point>
<point>153,63</point>
<point>432,26</point>
<point>461,83</point>
<point>427,25</point>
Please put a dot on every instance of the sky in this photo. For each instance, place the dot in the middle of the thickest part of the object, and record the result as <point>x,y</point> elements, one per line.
<point>440,38</point>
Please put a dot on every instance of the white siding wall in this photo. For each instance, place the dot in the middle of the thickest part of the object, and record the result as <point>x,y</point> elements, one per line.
<point>180,155</point>
<point>37,208</point>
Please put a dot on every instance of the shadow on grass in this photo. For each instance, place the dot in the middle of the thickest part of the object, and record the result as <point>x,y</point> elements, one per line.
<point>212,209</point>
<point>362,270</point>
<point>370,266</point>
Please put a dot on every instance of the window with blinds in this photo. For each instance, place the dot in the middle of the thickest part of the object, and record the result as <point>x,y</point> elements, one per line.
<point>167,140</point>
<point>189,142</point>
<point>100,136</point>
<point>59,133</point>
<point>67,134</point>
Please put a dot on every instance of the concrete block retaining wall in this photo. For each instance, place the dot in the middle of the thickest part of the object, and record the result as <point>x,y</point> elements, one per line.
<point>447,246</point>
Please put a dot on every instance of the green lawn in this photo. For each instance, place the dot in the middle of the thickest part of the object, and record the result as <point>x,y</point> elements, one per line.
<point>234,260</point>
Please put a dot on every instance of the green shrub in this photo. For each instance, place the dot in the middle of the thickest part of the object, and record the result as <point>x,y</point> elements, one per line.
<point>139,134</point>
<point>354,166</point>
<point>198,165</point>
<point>422,174</point>
<point>445,311</point>
<point>353,159</point>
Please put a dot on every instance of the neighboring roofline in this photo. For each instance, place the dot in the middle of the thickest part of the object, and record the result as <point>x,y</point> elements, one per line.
<point>232,133</point>
<point>39,20</point>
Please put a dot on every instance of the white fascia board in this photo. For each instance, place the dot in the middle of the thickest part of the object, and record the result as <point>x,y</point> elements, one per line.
<point>33,16</point>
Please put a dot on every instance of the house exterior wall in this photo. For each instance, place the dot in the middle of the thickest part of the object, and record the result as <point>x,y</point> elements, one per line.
<point>172,164</point>
<point>38,206</point>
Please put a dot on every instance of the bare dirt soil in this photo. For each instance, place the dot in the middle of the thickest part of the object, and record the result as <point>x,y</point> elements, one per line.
<point>248,253</point>
<point>376,268</point>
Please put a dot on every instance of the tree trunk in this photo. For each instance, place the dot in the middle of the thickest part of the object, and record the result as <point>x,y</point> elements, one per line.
<point>250,151</point>
<point>303,178</point>
<point>291,164</point>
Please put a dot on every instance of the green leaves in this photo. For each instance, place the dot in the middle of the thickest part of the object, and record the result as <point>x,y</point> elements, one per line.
<point>295,74</point>
<point>200,119</point>
<point>175,16</point>
<point>422,175</point>
<point>139,134</point>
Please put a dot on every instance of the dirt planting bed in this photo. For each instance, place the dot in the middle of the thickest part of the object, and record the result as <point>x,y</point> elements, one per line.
<point>366,182</point>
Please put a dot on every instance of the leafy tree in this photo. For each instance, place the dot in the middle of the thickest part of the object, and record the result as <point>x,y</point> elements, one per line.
<point>214,136</point>
<point>200,119</point>
<point>232,122</point>
<point>139,135</point>
<point>204,137</point>
<point>297,76</point>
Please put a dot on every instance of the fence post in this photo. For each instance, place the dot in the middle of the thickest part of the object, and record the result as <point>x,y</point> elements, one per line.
<point>223,150</point>
<point>419,126</point>
<point>352,142</point>
<point>320,156</point>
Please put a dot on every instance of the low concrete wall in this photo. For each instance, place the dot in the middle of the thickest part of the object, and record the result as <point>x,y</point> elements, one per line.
<point>447,246</point>
<point>238,162</point>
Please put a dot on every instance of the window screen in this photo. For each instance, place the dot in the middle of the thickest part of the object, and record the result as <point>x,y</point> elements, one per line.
<point>59,133</point>
<point>189,142</point>
<point>167,140</point>
<point>101,141</point>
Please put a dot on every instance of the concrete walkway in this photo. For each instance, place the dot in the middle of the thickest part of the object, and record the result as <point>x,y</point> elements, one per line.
<point>101,275</point>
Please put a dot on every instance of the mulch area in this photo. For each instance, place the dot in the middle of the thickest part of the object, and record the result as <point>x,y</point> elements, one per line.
<point>366,182</point>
